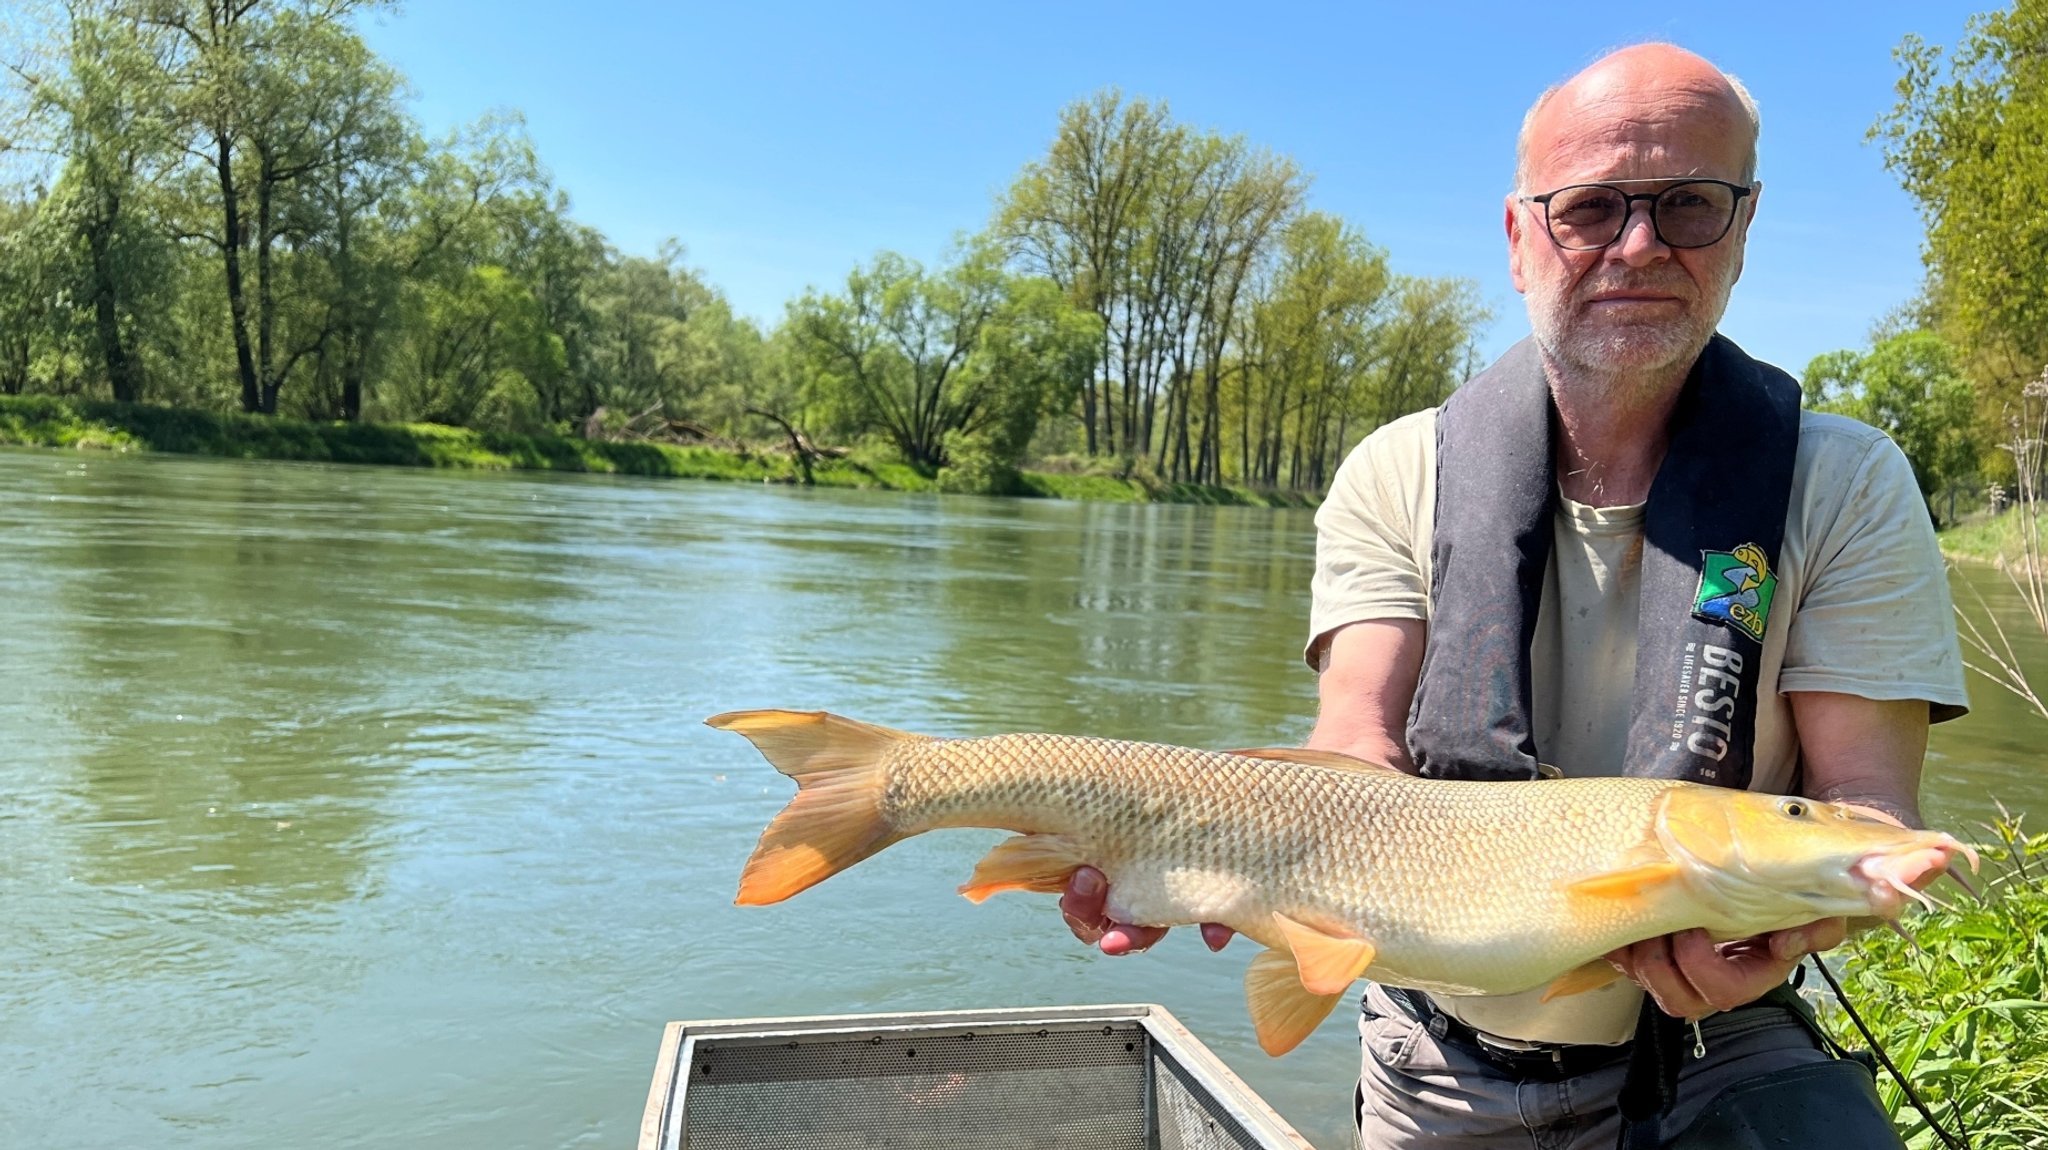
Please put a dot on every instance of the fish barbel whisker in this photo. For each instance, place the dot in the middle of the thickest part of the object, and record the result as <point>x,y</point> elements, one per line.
<point>1918,896</point>
<point>1912,944</point>
<point>1964,883</point>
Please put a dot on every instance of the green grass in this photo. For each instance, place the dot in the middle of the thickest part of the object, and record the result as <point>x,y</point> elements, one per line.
<point>1097,488</point>
<point>1966,1018</point>
<point>1985,539</point>
<point>54,421</point>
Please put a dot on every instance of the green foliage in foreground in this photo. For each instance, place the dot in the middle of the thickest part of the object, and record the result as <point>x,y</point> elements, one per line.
<point>1966,1018</point>
<point>50,421</point>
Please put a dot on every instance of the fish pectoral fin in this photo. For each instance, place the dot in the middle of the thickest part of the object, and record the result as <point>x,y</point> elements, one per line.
<point>1337,759</point>
<point>1580,979</point>
<point>1283,1011</point>
<point>1326,963</point>
<point>1040,863</point>
<point>1627,882</point>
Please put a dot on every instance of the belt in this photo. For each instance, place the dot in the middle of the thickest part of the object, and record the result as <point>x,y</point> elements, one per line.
<point>1543,1062</point>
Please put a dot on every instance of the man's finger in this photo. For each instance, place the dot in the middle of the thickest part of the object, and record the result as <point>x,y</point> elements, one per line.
<point>1658,969</point>
<point>1123,938</point>
<point>1216,936</point>
<point>1081,904</point>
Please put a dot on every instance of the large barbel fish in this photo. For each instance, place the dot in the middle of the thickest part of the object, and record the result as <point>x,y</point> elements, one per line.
<point>1342,869</point>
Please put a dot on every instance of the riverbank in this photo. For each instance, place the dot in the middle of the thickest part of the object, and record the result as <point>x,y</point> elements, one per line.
<point>54,421</point>
<point>1984,540</point>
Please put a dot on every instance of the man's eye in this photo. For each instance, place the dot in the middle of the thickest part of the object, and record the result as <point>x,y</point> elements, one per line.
<point>1684,202</point>
<point>1589,210</point>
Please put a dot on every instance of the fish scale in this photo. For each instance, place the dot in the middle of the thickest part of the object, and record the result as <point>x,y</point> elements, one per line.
<point>1340,868</point>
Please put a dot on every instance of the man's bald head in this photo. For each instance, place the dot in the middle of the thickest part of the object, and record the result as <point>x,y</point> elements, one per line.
<point>1628,78</point>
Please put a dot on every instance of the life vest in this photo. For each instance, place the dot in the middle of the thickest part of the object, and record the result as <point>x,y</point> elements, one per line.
<point>1712,531</point>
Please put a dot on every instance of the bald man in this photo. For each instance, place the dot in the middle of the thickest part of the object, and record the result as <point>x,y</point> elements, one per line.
<point>1623,549</point>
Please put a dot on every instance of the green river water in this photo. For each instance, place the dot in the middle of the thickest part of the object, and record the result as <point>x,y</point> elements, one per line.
<point>362,807</point>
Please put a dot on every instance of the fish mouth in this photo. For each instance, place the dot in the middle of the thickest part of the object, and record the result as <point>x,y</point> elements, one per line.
<point>1890,877</point>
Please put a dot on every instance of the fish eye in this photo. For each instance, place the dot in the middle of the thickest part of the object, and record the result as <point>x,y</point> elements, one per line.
<point>1794,808</point>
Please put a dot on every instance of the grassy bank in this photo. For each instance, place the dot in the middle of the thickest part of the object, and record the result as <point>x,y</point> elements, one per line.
<point>49,421</point>
<point>1984,539</point>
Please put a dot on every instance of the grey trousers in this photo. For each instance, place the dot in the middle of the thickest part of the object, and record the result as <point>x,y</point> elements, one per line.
<point>1418,1091</point>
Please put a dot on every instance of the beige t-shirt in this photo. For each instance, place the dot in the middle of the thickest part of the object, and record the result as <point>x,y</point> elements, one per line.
<point>1870,616</point>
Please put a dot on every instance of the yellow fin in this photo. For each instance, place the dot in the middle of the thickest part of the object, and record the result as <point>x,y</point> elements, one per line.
<point>1627,882</point>
<point>835,820</point>
<point>1313,758</point>
<point>1580,979</point>
<point>1039,863</point>
<point>1327,963</point>
<point>1283,1011</point>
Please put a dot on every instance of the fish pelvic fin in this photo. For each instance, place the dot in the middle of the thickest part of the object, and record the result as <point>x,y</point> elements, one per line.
<point>1580,979</point>
<point>1326,963</point>
<point>1040,863</point>
<point>1628,882</point>
<point>1313,758</point>
<point>1284,1012</point>
<point>836,819</point>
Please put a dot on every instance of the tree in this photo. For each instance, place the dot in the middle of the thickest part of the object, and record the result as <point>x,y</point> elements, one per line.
<point>1969,140</point>
<point>273,92</point>
<point>1909,387</point>
<point>928,359</point>
<point>85,98</point>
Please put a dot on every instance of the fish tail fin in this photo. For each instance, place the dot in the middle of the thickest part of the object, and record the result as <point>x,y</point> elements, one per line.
<point>836,818</point>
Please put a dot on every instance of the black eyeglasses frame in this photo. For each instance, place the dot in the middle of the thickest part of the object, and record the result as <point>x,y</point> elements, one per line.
<point>1628,210</point>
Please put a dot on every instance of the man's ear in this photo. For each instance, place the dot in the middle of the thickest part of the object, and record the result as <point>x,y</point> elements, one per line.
<point>1511,220</point>
<point>1747,214</point>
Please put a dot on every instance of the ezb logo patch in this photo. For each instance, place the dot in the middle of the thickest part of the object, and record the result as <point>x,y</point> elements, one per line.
<point>1736,588</point>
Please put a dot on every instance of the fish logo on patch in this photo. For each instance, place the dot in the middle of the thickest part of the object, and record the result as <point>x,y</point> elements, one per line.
<point>1736,588</point>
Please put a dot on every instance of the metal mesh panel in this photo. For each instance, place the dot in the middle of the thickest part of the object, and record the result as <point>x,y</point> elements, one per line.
<point>1039,1090</point>
<point>1188,1116</point>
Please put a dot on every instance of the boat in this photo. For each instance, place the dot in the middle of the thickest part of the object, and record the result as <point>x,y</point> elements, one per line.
<point>1048,1078</point>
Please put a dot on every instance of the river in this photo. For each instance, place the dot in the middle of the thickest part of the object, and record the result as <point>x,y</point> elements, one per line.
<point>346,806</point>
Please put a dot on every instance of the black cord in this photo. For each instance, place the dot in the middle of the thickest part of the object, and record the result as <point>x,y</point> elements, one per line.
<point>1912,1095</point>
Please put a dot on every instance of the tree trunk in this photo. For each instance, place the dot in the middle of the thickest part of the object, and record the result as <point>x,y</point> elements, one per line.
<point>231,251</point>
<point>266,297</point>
<point>121,368</point>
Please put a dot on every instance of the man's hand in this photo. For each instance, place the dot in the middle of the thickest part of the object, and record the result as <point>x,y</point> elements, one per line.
<point>1692,976</point>
<point>1084,903</point>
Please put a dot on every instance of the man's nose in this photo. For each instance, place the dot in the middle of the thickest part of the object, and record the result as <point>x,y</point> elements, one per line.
<point>1638,244</point>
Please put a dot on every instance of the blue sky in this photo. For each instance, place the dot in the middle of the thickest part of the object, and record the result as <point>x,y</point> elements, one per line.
<point>782,144</point>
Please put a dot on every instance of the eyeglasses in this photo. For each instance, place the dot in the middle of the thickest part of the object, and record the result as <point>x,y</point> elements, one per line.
<point>1687,214</point>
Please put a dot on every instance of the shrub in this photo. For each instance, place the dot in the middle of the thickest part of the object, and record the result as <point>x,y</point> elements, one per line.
<point>1965,1016</point>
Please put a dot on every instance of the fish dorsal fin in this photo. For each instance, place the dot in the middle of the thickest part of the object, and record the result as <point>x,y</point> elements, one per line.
<point>1327,963</point>
<point>1040,863</point>
<point>1580,979</point>
<point>1627,882</point>
<point>1313,758</point>
<point>1283,1011</point>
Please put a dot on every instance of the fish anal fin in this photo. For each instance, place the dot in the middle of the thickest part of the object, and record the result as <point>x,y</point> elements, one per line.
<point>1628,882</point>
<point>1039,863</point>
<point>1580,979</point>
<point>1313,758</point>
<point>1326,963</point>
<point>1283,1011</point>
<point>835,820</point>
